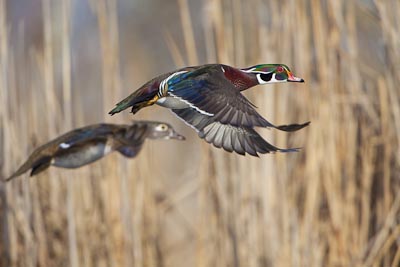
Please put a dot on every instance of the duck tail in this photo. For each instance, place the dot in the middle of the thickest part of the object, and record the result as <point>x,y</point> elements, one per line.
<point>119,107</point>
<point>25,167</point>
<point>38,166</point>
<point>137,100</point>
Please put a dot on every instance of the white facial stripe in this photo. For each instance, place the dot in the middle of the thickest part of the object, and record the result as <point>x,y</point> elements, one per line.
<point>64,145</point>
<point>249,71</point>
<point>192,106</point>
<point>273,79</point>
<point>260,81</point>
<point>252,71</point>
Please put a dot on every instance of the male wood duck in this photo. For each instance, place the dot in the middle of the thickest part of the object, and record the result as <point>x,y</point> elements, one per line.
<point>88,144</point>
<point>208,99</point>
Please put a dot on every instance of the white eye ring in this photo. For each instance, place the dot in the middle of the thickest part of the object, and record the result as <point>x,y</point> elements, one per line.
<point>161,127</point>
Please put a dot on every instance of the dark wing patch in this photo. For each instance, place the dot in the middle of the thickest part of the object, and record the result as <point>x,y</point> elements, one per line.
<point>84,134</point>
<point>212,94</point>
<point>292,127</point>
<point>41,165</point>
<point>231,138</point>
<point>129,151</point>
<point>134,135</point>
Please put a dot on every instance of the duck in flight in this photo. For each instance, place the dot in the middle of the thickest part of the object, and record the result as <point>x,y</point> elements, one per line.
<point>88,144</point>
<point>209,99</point>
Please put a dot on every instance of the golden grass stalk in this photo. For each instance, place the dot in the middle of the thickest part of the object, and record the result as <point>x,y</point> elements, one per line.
<point>335,203</point>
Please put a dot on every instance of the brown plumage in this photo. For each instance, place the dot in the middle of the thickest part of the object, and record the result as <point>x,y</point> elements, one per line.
<point>88,144</point>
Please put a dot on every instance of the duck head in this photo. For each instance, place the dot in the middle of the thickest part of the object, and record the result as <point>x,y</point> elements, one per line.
<point>162,130</point>
<point>272,73</point>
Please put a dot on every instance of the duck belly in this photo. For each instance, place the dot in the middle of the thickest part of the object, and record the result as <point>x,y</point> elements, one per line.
<point>79,157</point>
<point>172,103</point>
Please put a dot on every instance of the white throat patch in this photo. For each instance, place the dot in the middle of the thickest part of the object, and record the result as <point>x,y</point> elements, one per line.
<point>273,79</point>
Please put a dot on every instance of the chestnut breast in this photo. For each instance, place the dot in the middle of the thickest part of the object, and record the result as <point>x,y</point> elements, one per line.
<point>241,80</point>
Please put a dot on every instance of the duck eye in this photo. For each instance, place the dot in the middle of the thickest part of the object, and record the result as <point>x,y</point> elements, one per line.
<point>279,69</point>
<point>162,127</point>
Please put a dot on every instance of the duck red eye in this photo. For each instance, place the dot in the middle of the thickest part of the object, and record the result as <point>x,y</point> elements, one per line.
<point>279,69</point>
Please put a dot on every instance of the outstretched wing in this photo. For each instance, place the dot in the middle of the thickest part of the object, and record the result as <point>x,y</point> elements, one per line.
<point>231,138</point>
<point>210,93</point>
<point>130,151</point>
<point>75,137</point>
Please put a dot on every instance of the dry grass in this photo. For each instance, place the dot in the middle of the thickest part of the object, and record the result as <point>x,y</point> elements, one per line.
<point>336,203</point>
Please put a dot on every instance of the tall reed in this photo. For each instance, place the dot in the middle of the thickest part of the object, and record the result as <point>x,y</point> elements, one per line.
<point>335,203</point>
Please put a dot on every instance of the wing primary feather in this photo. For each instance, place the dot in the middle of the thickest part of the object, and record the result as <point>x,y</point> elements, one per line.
<point>231,138</point>
<point>218,140</point>
<point>213,132</point>
<point>237,146</point>
<point>292,127</point>
<point>249,146</point>
<point>227,139</point>
<point>241,139</point>
<point>227,116</point>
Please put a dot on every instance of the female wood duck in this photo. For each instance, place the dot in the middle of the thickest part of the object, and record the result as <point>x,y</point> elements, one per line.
<point>208,98</point>
<point>88,144</point>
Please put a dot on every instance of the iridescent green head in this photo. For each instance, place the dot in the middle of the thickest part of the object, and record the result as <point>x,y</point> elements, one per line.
<point>272,73</point>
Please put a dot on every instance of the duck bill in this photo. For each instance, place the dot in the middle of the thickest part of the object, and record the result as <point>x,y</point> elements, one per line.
<point>294,79</point>
<point>177,136</point>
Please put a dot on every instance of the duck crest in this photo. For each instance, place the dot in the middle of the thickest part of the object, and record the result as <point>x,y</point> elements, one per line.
<point>241,80</point>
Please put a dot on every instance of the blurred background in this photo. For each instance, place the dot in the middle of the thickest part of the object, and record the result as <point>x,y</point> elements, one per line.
<point>64,64</point>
